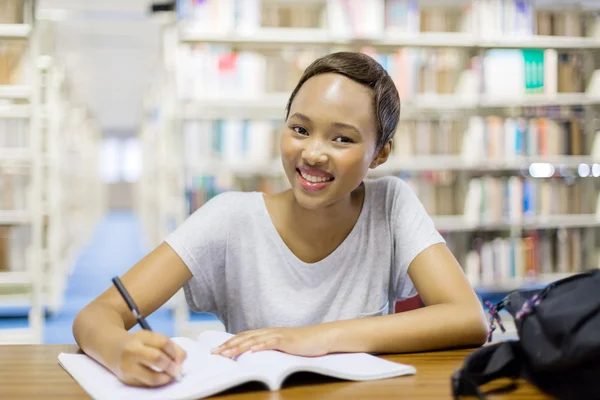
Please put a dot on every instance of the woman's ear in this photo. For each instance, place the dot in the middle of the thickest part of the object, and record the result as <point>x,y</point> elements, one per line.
<point>382,155</point>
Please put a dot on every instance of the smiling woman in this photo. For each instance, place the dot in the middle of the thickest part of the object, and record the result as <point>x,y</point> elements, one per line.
<point>311,270</point>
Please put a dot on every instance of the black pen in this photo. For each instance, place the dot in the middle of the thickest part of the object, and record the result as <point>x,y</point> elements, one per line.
<point>136,312</point>
<point>131,304</point>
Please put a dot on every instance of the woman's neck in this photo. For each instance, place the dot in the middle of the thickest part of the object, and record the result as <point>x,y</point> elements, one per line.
<point>330,219</point>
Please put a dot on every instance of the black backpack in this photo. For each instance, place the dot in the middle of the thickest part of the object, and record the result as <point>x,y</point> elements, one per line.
<point>558,350</point>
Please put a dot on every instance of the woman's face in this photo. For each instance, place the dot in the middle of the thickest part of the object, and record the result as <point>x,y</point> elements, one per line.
<point>329,140</point>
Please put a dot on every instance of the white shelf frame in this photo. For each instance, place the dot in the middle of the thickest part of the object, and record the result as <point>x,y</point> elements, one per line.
<point>15,31</point>
<point>29,281</point>
<point>268,38</point>
<point>272,106</point>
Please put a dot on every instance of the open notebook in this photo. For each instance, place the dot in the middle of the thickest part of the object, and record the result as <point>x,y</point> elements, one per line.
<point>206,374</point>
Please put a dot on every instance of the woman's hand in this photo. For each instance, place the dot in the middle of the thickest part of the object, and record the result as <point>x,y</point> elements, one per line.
<point>305,341</point>
<point>149,359</point>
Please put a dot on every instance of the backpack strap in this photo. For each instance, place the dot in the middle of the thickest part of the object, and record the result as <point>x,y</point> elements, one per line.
<point>500,360</point>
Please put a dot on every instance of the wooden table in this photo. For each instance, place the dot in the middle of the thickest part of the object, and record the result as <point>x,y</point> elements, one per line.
<point>32,372</point>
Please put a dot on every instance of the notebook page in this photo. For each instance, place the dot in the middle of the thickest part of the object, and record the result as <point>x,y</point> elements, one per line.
<point>359,366</point>
<point>208,340</point>
<point>203,375</point>
<point>351,366</point>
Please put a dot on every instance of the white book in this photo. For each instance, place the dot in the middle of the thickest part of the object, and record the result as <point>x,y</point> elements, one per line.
<point>205,374</point>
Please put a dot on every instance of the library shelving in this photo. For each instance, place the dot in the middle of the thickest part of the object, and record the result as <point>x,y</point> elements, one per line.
<point>50,192</point>
<point>498,133</point>
<point>21,214</point>
<point>73,192</point>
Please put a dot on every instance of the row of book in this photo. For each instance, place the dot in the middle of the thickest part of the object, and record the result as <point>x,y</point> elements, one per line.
<point>490,138</point>
<point>14,241</point>
<point>201,188</point>
<point>439,193</point>
<point>233,141</point>
<point>11,11</point>
<point>217,71</point>
<point>512,199</point>
<point>10,61</point>
<point>13,191</point>
<point>487,199</point>
<point>495,261</point>
<point>480,138</point>
<point>500,138</point>
<point>14,133</point>
<point>531,72</point>
<point>422,137</point>
<point>374,18</point>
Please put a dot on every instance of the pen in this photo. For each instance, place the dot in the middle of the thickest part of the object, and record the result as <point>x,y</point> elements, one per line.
<point>136,312</point>
<point>131,304</point>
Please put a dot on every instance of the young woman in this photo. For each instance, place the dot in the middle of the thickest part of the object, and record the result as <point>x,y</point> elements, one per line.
<point>312,270</point>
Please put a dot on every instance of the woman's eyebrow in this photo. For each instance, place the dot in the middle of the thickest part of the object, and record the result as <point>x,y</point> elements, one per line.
<point>343,125</point>
<point>300,116</point>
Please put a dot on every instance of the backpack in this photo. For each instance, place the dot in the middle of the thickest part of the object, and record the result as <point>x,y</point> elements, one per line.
<point>558,349</point>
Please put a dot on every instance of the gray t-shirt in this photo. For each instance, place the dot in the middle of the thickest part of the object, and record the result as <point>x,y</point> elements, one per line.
<point>244,273</point>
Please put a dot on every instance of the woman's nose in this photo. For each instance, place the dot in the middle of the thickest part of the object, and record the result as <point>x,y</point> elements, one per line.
<point>315,153</point>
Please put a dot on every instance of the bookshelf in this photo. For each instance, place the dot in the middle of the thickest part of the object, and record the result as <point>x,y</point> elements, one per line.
<point>72,185</point>
<point>21,210</point>
<point>495,99</point>
<point>50,192</point>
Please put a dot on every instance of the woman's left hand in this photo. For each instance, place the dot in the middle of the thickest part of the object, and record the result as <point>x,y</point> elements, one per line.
<point>307,341</point>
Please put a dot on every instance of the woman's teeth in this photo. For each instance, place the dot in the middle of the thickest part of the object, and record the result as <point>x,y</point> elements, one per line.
<point>315,179</point>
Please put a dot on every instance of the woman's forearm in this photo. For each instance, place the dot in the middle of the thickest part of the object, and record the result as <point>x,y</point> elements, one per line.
<point>98,330</point>
<point>434,327</point>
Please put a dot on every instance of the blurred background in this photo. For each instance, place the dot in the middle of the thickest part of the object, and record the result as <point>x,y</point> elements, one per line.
<point>120,118</point>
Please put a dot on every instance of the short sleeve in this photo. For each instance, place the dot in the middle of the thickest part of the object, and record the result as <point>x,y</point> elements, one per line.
<point>414,231</point>
<point>201,242</point>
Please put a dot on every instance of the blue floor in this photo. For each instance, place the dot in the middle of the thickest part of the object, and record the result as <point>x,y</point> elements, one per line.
<point>115,246</point>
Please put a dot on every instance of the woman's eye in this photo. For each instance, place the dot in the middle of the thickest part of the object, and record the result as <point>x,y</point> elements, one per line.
<point>343,139</point>
<point>300,130</point>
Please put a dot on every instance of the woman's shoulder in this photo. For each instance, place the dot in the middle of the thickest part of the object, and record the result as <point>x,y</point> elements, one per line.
<point>389,188</point>
<point>230,203</point>
<point>394,195</point>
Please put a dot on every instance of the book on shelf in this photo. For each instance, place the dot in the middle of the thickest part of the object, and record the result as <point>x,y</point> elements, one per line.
<point>11,11</point>
<point>292,15</point>
<point>514,199</point>
<point>14,242</point>
<point>366,19</point>
<point>220,16</point>
<point>494,261</point>
<point>485,138</point>
<point>4,248</point>
<point>10,61</point>
<point>213,73</point>
<point>206,374</point>
<point>506,138</point>
<point>498,18</point>
<point>13,189</point>
<point>231,142</point>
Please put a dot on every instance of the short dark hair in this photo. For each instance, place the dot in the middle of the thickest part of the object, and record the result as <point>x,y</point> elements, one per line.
<point>363,69</point>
